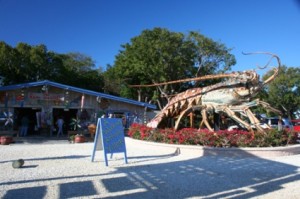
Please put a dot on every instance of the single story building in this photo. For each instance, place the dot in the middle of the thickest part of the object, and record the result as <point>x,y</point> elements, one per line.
<point>43,102</point>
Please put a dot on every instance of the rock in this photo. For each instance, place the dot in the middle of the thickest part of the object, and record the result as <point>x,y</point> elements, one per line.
<point>18,163</point>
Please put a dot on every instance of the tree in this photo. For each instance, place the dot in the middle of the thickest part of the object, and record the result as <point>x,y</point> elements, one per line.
<point>160,55</point>
<point>81,72</point>
<point>9,70</point>
<point>284,91</point>
<point>26,63</point>
<point>35,62</point>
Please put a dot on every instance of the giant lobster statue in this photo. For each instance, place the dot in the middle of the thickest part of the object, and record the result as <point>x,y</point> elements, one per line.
<point>234,95</point>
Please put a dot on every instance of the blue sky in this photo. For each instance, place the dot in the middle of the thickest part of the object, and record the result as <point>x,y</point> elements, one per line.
<point>98,28</point>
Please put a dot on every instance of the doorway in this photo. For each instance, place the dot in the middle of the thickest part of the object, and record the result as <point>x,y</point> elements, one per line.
<point>31,115</point>
<point>66,115</point>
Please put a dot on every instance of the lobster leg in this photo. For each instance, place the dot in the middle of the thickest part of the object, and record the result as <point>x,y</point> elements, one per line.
<point>183,113</point>
<point>254,120</point>
<point>246,110</point>
<point>204,119</point>
<point>203,109</point>
<point>231,114</point>
<point>198,108</point>
<point>267,106</point>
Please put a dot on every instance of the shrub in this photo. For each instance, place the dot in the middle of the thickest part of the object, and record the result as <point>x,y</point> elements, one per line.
<point>139,131</point>
<point>204,137</point>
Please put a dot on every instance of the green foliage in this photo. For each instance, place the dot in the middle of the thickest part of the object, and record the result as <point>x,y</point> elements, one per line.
<point>284,91</point>
<point>159,55</point>
<point>75,124</point>
<point>72,138</point>
<point>26,63</point>
<point>274,137</point>
<point>9,69</point>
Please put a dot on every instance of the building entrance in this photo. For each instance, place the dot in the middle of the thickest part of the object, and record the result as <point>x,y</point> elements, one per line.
<point>30,113</point>
<point>66,115</point>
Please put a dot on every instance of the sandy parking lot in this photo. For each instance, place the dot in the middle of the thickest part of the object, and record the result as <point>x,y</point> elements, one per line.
<point>57,169</point>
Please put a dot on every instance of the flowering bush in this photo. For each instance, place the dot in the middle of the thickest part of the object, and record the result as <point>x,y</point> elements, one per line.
<point>139,131</point>
<point>204,137</point>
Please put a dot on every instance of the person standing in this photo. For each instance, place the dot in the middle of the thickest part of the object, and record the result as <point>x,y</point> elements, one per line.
<point>60,124</point>
<point>24,125</point>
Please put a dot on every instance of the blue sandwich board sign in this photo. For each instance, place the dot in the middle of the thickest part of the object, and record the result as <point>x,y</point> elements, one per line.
<point>109,138</point>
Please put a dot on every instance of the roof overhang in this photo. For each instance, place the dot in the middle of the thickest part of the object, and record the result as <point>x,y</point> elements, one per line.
<point>75,89</point>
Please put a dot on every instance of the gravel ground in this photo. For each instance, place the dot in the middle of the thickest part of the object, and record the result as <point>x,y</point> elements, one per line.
<point>57,169</point>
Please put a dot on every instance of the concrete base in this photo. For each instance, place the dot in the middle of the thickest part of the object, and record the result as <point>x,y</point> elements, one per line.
<point>233,152</point>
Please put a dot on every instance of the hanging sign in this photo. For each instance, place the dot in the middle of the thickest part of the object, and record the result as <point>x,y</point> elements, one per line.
<point>109,138</point>
<point>44,96</point>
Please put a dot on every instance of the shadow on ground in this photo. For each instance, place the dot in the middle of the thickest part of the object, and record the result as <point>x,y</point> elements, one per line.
<point>50,158</point>
<point>208,176</point>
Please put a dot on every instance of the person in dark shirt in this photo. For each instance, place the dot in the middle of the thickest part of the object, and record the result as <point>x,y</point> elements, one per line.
<point>24,126</point>
<point>60,124</point>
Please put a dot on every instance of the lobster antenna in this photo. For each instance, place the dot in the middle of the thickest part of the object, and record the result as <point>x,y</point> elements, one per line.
<point>276,70</point>
<point>268,63</point>
<point>186,80</point>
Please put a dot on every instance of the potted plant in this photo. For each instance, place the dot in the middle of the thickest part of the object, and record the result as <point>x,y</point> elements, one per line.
<point>75,124</point>
<point>72,138</point>
<point>74,127</point>
<point>79,138</point>
<point>6,139</point>
<point>79,130</point>
<point>92,129</point>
